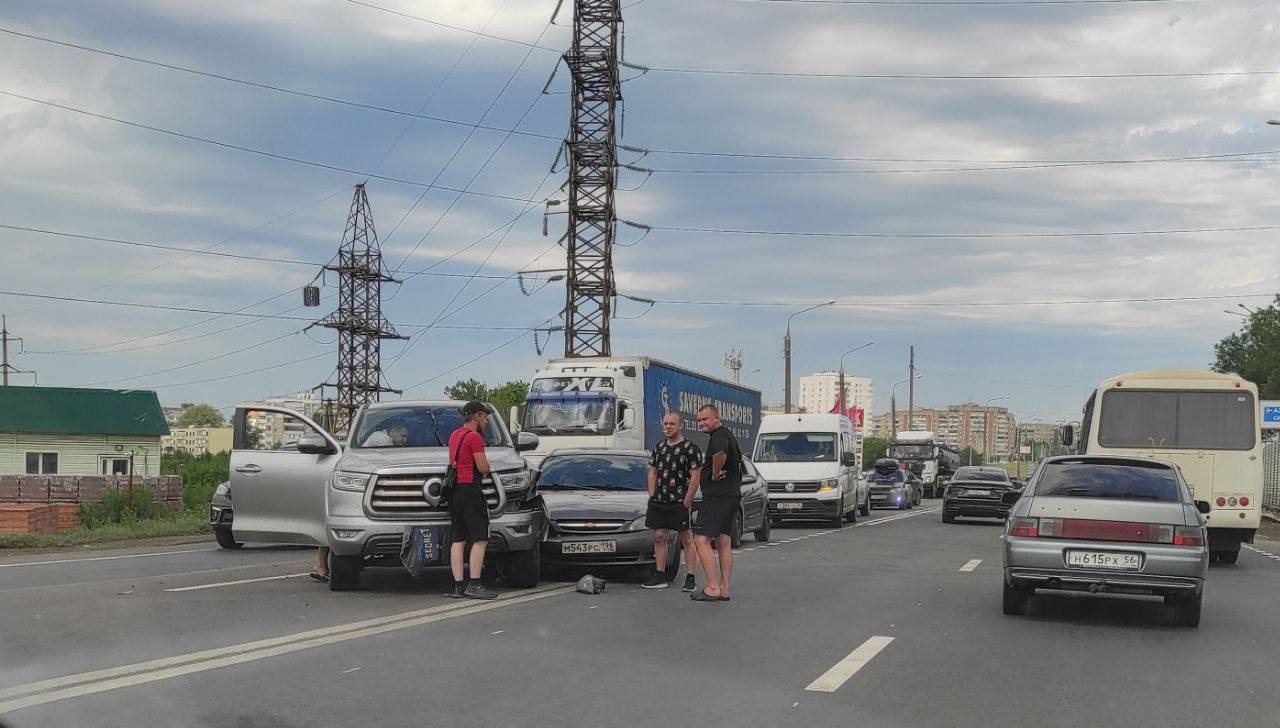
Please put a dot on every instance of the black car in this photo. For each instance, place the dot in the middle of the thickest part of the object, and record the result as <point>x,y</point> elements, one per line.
<point>977,491</point>
<point>889,485</point>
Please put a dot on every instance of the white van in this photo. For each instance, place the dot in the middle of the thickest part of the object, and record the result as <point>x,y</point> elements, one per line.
<point>811,468</point>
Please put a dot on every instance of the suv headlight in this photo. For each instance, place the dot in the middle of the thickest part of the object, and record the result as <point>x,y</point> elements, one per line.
<point>514,479</point>
<point>829,484</point>
<point>350,481</point>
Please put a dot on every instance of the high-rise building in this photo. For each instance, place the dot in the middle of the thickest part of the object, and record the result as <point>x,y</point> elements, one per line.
<point>819,392</point>
<point>991,431</point>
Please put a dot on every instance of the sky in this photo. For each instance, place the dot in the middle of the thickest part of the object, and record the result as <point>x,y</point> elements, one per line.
<point>912,198</point>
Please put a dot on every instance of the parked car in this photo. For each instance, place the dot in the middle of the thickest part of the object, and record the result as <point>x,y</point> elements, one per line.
<point>1107,524</point>
<point>977,491</point>
<point>596,501</point>
<point>754,508</point>
<point>889,486</point>
<point>358,497</point>
<point>811,462</point>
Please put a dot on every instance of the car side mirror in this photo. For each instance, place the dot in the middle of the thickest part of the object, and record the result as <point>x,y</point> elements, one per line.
<point>1011,497</point>
<point>849,460</point>
<point>748,480</point>
<point>1203,506</point>
<point>526,441</point>
<point>1068,435</point>
<point>315,445</point>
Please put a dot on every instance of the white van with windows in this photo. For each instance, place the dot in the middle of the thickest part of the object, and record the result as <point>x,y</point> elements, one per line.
<point>811,467</point>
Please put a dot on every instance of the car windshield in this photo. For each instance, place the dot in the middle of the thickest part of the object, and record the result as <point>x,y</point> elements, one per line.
<point>417,426</point>
<point>910,451</point>
<point>560,416</point>
<point>594,472</point>
<point>796,447</point>
<point>996,476</point>
<point>1127,480</point>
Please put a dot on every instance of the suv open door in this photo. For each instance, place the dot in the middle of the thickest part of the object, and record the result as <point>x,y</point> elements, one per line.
<point>280,465</point>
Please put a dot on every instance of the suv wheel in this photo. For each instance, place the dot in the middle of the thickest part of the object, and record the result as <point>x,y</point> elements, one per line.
<point>344,572</point>
<point>1186,610</point>
<point>524,568</point>
<point>1227,557</point>
<point>865,508</point>
<point>735,535</point>
<point>762,533</point>
<point>1017,599</point>
<point>226,539</point>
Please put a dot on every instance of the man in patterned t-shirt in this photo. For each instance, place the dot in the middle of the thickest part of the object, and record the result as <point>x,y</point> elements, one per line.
<point>673,481</point>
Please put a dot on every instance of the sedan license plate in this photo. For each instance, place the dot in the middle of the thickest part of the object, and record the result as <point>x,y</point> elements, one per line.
<point>879,496</point>
<point>1104,560</point>
<point>978,492</point>
<point>790,506</point>
<point>589,547</point>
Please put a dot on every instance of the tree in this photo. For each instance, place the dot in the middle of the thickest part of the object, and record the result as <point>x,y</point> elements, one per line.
<point>1253,352</point>
<point>201,415</point>
<point>873,448</point>
<point>971,456</point>
<point>503,397</point>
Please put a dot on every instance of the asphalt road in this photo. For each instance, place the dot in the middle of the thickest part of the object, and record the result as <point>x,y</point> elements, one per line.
<point>894,622</point>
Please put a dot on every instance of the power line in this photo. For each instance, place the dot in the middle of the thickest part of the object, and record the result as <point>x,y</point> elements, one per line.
<point>275,87</point>
<point>935,170</point>
<point>479,33</point>
<point>477,358</point>
<point>197,362</point>
<point>946,304</point>
<point>239,374</point>
<point>947,76</point>
<point>260,152</point>
<point>973,236</point>
<point>926,160</point>
<point>966,3</point>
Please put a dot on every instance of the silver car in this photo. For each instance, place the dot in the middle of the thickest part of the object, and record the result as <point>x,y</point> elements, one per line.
<point>1105,525</point>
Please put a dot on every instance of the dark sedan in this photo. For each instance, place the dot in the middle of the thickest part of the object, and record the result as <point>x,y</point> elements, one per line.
<point>596,501</point>
<point>977,491</point>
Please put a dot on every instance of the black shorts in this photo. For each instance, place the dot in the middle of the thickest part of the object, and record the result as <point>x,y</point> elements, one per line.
<point>715,517</point>
<point>468,514</point>
<point>671,516</point>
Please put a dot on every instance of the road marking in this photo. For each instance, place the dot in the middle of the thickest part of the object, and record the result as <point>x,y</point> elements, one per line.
<point>309,638</point>
<point>1262,552</point>
<point>238,581</point>
<point>831,680</point>
<point>103,558</point>
<point>348,672</point>
<point>498,632</point>
<point>971,564</point>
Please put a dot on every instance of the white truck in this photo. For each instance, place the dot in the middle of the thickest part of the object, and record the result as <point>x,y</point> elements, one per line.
<point>932,461</point>
<point>619,402</point>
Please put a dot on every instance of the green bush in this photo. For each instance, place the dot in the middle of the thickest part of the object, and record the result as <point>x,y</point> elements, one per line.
<point>115,508</point>
<point>201,474</point>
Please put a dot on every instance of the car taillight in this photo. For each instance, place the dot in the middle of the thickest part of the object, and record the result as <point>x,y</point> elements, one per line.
<point>1221,501</point>
<point>1232,501</point>
<point>1026,527</point>
<point>1244,501</point>
<point>1187,536</point>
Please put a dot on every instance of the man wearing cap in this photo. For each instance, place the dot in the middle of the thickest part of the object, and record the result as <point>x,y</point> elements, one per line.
<point>468,512</point>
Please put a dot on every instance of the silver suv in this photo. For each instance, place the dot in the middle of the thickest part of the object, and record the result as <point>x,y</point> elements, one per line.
<point>293,482</point>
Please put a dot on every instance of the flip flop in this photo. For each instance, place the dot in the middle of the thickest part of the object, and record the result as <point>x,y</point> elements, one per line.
<point>702,596</point>
<point>322,578</point>
<point>722,598</point>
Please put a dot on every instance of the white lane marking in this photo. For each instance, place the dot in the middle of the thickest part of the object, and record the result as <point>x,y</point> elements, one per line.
<point>498,632</point>
<point>163,662</point>
<point>238,581</point>
<point>1262,552</point>
<point>594,606</point>
<point>970,565</point>
<point>831,680</point>
<point>348,672</point>
<point>102,558</point>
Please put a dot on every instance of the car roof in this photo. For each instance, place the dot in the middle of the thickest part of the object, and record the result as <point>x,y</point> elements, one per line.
<point>1108,459</point>
<point>561,452</point>
<point>419,403</point>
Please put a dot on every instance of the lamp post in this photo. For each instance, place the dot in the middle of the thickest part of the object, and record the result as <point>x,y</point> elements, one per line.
<point>786,355</point>
<point>841,385</point>
<point>986,426</point>
<point>893,407</point>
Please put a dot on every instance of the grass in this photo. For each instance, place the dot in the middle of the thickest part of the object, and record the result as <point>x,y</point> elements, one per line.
<point>180,523</point>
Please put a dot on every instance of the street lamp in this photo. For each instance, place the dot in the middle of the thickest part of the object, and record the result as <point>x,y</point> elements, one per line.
<point>893,407</point>
<point>986,426</point>
<point>842,356</point>
<point>786,353</point>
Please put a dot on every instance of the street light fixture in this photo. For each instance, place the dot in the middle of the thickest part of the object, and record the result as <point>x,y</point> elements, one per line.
<point>893,407</point>
<point>841,401</point>
<point>786,352</point>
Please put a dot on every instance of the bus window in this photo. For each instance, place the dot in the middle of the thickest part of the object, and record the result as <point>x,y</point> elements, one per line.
<point>1217,420</point>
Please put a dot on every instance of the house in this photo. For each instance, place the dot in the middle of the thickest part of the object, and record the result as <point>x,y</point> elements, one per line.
<point>73,431</point>
<point>197,440</point>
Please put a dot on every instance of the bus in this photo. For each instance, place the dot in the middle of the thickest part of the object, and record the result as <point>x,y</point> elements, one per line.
<point>1206,423</point>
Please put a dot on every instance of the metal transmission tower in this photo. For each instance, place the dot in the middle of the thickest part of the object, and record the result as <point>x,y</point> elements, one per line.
<point>592,156</point>
<point>359,321</point>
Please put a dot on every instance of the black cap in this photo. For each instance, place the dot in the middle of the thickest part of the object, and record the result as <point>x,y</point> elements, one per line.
<point>474,408</point>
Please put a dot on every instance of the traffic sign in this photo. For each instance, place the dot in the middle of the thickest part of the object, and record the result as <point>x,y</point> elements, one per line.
<point>1270,414</point>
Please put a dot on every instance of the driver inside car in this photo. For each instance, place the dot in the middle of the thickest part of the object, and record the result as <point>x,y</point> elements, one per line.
<point>393,434</point>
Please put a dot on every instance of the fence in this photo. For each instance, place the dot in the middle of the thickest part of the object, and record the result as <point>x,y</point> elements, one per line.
<point>165,489</point>
<point>1271,478</point>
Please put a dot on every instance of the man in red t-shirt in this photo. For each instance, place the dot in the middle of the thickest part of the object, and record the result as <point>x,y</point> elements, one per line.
<point>468,512</point>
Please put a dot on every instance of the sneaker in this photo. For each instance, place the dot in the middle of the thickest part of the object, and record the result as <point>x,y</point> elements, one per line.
<point>690,584</point>
<point>478,591</point>
<point>657,581</point>
<point>458,591</point>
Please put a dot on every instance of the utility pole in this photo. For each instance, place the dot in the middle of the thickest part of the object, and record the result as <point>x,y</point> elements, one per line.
<point>359,321</point>
<point>5,367</point>
<point>592,152</point>
<point>911,390</point>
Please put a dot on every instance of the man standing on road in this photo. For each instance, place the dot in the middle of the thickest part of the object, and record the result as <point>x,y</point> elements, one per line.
<point>720,481</point>
<point>673,480</point>
<point>468,512</point>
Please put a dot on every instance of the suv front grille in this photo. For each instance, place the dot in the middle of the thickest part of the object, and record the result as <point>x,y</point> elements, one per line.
<point>590,526</point>
<point>399,496</point>
<point>799,488</point>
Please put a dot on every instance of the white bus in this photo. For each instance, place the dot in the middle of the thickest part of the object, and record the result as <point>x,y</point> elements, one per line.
<point>1206,423</point>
